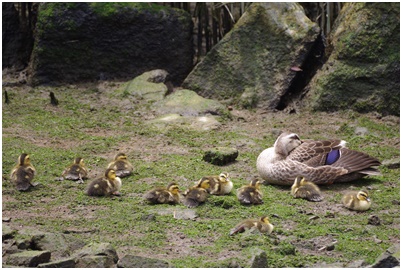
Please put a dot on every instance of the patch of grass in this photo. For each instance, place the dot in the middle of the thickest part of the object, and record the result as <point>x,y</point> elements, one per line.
<point>86,125</point>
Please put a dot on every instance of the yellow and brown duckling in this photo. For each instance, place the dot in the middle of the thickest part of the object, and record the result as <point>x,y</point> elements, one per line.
<point>357,200</point>
<point>76,171</point>
<point>306,190</point>
<point>108,185</point>
<point>262,225</point>
<point>23,173</point>
<point>250,194</point>
<point>219,184</point>
<point>196,195</point>
<point>121,165</point>
<point>169,195</point>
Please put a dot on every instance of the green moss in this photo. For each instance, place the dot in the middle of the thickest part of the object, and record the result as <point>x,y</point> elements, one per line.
<point>109,9</point>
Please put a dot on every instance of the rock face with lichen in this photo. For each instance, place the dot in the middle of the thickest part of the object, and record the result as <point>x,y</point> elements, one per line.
<point>362,72</point>
<point>77,42</point>
<point>252,63</point>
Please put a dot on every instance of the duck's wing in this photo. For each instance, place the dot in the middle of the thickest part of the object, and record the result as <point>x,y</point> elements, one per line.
<point>355,161</point>
<point>317,153</point>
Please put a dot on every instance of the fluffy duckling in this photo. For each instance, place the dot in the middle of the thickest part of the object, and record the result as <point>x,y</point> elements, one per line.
<point>219,184</point>
<point>250,194</point>
<point>196,195</point>
<point>121,165</point>
<point>357,200</point>
<point>306,190</point>
<point>262,224</point>
<point>23,173</point>
<point>110,184</point>
<point>76,171</point>
<point>170,195</point>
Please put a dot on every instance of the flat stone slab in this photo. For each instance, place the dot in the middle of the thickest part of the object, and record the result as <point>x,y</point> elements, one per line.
<point>63,263</point>
<point>200,123</point>
<point>30,258</point>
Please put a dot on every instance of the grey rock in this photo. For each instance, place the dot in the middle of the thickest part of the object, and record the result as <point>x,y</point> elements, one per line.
<point>148,86</point>
<point>374,220</point>
<point>132,261</point>
<point>394,163</point>
<point>30,258</point>
<point>97,249</point>
<point>260,259</point>
<point>7,232</point>
<point>389,259</point>
<point>95,262</point>
<point>199,123</point>
<point>356,264</point>
<point>362,71</point>
<point>177,213</point>
<point>61,245</point>
<point>361,131</point>
<point>152,38</point>
<point>188,103</point>
<point>220,155</point>
<point>186,214</point>
<point>63,263</point>
<point>259,74</point>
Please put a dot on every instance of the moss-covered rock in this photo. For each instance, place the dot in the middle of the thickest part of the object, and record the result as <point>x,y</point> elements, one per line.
<point>220,155</point>
<point>89,41</point>
<point>362,72</point>
<point>188,103</point>
<point>256,56</point>
<point>149,86</point>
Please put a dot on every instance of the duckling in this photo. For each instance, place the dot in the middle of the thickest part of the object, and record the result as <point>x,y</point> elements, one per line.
<point>358,201</point>
<point>306,190</point>
<point>250,194</point>
<point>121,165</point>
<point>262,224</point>
<point>76,171</point>
<point>23,173</point>
<point>219,185</point>
<point>110,184</point>
<point>196,195</point>
<point>164,195</point>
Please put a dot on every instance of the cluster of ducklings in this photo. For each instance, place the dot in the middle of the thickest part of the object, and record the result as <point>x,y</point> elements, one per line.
<point>110,184</point>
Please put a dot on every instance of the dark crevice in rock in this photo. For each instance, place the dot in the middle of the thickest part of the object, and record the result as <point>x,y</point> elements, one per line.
<point>313,61</point>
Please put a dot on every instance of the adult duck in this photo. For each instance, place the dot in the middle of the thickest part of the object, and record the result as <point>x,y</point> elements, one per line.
<point>322,162</point>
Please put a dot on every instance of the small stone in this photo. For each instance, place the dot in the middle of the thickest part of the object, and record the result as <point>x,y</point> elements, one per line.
<point>6,219</point>
<point>374,220</point>
<point>260,259</point>
<point>394,163</point>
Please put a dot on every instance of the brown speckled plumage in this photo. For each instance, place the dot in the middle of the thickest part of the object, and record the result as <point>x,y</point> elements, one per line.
<point>290,157</point>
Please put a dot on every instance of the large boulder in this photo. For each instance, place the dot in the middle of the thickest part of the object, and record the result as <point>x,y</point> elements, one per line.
<point>88,41</point>
<point>252,63</point>
<point>12,37</point>
<point>362,72</point>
